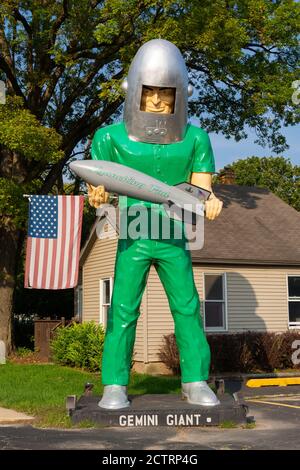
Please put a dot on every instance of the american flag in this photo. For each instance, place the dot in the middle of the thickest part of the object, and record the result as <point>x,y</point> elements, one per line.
<point>53,242</point>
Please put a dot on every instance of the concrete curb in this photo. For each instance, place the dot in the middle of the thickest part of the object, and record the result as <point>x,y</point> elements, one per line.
<point>266,375</point>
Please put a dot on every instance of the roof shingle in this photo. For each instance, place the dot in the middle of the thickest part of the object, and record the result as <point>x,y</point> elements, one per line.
<point>255,226</point>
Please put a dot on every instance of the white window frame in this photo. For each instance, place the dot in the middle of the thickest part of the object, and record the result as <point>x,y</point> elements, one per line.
<point>102,316</point>
<point>291,325</point>
<point>225,315</point>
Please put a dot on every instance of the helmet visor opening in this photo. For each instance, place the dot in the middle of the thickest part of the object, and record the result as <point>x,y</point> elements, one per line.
<point>160,100</point>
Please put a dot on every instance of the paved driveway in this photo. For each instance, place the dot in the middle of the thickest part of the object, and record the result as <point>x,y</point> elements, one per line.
<point>276,410</point>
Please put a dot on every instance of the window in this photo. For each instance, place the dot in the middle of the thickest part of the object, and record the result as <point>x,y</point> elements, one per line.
<point>215,302</point>
<point>105,297</point>
<point>294,301</point>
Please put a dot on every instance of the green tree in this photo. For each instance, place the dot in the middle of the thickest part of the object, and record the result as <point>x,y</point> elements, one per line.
<point>63,60</point>
<point>244,57</point>
<point>277,174</point>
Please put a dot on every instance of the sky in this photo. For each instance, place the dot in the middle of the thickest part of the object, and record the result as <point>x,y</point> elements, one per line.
<point>226,151</point>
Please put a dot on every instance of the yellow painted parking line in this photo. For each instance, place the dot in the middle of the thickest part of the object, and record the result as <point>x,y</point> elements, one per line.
<point>280,396</point>
<point>283,399</point>
<point>273,403</point>
<point>276,381</point>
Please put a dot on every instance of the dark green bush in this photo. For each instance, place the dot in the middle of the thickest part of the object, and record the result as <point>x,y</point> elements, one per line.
<point>240,352</point>
<point>79,345</point>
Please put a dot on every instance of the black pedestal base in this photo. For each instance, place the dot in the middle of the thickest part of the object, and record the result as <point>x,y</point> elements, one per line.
<point>160,410</point>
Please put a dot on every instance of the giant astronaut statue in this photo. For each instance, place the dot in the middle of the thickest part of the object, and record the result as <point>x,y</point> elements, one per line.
<point>156,139</point>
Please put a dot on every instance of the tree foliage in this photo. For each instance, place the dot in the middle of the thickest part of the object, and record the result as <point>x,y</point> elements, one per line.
<point>21,132</point>
<point>22,135</point>
<point>244,56</point>
<point>277,174</point>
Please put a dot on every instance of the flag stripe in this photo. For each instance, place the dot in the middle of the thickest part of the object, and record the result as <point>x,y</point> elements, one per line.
<point>68,235</point>
<point>71,245</point>
<point>76,244</point>
<point>78,239</point>
<point>36,262</point>
<point>64,229</point>
<point>59,241</point>
<point>73,261</point>
<point>50,245</point>
<point>53,264</point>
<point>45,263</point>
<point>32,261</point>
<point>41,263</point>
<point>27,263</point>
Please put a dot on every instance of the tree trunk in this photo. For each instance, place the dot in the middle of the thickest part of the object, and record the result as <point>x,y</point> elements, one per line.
<point>9,249</point>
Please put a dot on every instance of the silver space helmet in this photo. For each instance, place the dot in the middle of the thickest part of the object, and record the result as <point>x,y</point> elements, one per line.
<point>158,63</point>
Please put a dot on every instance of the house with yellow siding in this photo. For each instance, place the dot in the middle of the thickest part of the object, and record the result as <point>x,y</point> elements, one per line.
<point>247,273</point>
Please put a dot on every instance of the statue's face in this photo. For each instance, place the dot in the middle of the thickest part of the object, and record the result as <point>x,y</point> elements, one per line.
<point>158,100</point>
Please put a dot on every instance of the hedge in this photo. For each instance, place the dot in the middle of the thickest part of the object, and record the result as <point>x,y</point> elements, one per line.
<point>247,352</point>
<point>79,345</point>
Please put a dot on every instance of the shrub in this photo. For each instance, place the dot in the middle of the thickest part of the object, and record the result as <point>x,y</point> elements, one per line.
<point>240,352</point>
<point>24,352</point>
<point>169,354</point>
<point>286,351</point>
<point>79,345</point>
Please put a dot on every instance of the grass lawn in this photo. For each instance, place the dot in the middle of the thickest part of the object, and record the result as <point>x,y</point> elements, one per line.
<point>41,389</point>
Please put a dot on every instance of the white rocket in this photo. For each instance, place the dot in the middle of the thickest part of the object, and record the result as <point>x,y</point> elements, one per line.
<point>181,201</point>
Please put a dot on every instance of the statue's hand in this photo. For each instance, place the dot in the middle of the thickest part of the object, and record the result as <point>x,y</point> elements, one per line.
<point>213,207</point>
<point>97,195</point>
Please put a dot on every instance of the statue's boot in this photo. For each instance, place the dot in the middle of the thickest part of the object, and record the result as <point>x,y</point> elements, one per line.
<point>199,393</point>
<point>114,397</point>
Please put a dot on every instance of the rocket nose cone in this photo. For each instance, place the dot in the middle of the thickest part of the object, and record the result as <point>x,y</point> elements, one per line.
<point>75,167</point>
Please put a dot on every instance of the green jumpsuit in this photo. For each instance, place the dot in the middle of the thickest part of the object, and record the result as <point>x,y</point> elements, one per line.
<point>172,164</point>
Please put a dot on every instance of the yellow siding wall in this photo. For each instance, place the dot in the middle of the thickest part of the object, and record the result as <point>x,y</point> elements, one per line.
<point>160,321</point>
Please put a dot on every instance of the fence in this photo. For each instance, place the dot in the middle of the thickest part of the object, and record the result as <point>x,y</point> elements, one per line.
<point>44,330</point>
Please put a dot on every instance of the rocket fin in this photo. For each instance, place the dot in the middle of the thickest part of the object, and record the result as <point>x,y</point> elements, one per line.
<point>177,213</point>
<point>199,193</point>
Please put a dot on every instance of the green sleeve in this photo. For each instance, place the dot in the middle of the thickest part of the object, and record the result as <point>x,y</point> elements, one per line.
<point>101,148</point>
<point>204,160</point>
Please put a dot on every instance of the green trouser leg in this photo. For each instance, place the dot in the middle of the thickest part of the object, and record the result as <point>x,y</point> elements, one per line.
<point>174,267</point>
